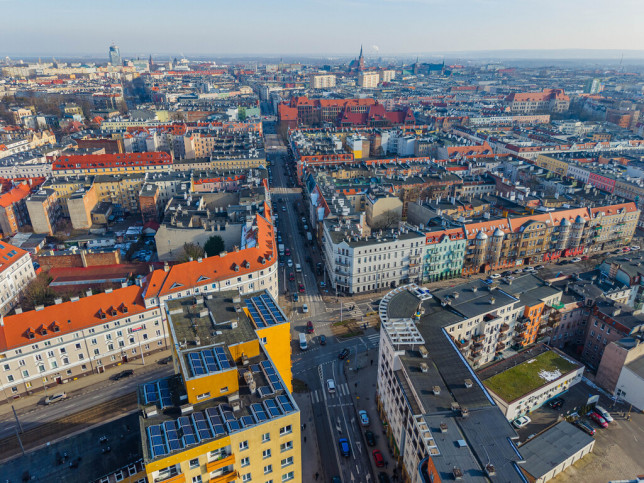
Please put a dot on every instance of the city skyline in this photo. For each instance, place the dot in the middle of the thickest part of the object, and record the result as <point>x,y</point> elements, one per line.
<point>268,29</point>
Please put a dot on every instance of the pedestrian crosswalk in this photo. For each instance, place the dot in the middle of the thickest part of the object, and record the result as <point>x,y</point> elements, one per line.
<point>319,395</point>
<point>373,339</point>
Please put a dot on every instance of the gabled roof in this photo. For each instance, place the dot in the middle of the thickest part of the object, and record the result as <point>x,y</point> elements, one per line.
<point>70,317</point>
<point>214,269</point>
<point>614,209</point>
<point>16,194</point>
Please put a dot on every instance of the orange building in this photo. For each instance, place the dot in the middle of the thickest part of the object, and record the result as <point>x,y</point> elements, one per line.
<point>13,210</point>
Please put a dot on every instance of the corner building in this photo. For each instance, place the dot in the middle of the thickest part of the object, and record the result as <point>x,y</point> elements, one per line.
<point>227,414</point>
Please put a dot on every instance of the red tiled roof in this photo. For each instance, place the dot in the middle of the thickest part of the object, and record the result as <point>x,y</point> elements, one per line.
<point>90,161</point>
<point>16,194</point>
<point>57,320</point>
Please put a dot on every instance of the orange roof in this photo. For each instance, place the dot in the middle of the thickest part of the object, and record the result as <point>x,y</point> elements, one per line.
<point>487,227</point>
<point>56,320</point>
<point>186,276</point>
<point>87,161</point>
<point>614,209</point>
<point>16,194</point>
<point>517,223</point>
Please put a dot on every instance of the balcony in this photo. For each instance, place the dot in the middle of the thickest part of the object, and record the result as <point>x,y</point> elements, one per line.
<point>180,478</point>
<point>500,346</point>
<point>477,345</point>
<point>478,338</point>
<point>518,338</point>
<point>474,357</point>
<point>220,463</point>
<point>476,351</point>
<point>504,328</point>
<point>225,478</point>
<point>462,344</point>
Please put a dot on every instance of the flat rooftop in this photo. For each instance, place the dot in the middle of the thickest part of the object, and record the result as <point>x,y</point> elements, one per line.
<point>485,434</point>
<point>262,396</point>
<point>525,372</point>
<point>549,449</point>
<point>44,464</point>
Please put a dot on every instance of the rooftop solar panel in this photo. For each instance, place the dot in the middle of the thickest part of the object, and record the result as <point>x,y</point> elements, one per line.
<point>271,408</point>
<point>233,426</point>
<point>285,404</point>
<point>255,368</point>
<point>264,391</point>
<point>258,411</point>
<point>222,359</point>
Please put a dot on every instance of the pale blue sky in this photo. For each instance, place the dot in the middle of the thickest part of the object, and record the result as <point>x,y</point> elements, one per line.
<point>63,27</point>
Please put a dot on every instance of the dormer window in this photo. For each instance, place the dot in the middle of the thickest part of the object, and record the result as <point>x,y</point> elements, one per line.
<point>30,334</point>
<point>123,308</point>
<point>101,314</point>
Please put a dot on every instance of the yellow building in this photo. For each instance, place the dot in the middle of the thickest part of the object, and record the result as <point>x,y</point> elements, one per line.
<point>227,414</point>
<point>552,164</point>
<point>120,190</point>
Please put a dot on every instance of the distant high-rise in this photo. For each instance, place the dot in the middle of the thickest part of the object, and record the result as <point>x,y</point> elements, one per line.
<point>115,55</point>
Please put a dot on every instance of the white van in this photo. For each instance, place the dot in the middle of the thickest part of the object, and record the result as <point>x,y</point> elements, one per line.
<point>303,345</point>
<point>298,267</point>
<point>330,386</point>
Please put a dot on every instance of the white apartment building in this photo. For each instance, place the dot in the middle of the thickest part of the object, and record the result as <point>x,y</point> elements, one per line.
<point>369,80</point>
<point>388,75</point>
<point>440,419</point>
<point>16,271</point>
<point>51,345</point>
<point>322,81</point>
<point>383,260</point>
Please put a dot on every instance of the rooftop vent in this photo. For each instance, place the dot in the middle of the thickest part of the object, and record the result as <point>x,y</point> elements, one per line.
<point>468,383</point>
<point>424,367</point>
<point>443,427</point>
<point>436,390</point>
<point>423,352</point>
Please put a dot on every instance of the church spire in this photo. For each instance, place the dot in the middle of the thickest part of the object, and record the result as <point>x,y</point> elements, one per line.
<point>360,57</point>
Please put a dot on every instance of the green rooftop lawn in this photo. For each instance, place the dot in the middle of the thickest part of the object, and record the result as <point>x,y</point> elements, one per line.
<point>514,383</point>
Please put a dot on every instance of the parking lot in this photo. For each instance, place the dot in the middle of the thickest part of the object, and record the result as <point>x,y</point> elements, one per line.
<point>618,451</point>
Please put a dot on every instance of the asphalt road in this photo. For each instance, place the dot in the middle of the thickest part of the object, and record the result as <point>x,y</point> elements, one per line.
<point>82,398</point>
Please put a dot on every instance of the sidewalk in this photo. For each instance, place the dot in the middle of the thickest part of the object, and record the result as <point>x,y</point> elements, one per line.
<point>311,463</point>
<point>27,403</point>
<point>363,386</point>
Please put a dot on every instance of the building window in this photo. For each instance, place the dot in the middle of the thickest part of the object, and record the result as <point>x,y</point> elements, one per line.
<point>287,461</point>
<point>286,430</point>
<point>268,469</point>
<point>266,437</point>
<point>266,453</point>
<point>288,476</point>
<point>246,477</point>
<point>194,463</point>
<point>245,462</point>
<point>243,445</point>
<point>286,446</point>
<point>196,479</point>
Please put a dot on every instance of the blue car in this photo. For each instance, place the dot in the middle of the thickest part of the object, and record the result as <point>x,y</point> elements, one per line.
<point>344,446</point>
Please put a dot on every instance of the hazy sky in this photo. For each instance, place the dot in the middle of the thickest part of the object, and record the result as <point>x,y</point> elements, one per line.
<point>216,27</point>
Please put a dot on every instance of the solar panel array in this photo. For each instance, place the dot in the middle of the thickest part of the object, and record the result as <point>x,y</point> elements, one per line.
<point>271,375</point>
<point>213,423</point>
<point>264,311</point>
<point>157,393</point>
<point>208,361</point>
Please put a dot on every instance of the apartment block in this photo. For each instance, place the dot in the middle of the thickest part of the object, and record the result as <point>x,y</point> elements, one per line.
<point>444,254</point>
<point>228,414</point>
<point>44,211</point>
<point>13,210</point>
<point>368,80</point>
<point>364,263</point>
<point>322,81</point>
<point>441,421</point>
<point>121,163</point>
<point>55,344</point>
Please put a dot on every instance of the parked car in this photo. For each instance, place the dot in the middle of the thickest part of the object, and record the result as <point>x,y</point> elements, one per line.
<point>377,457</point>
<point>528,269</point>
<point>300,288</point>
<point>370,437</point>
<point>296,297</point>
<point>584,427</point>
<point>344,447</point>
<point>495,275</point>
<point>122,374</point>
<point>518,270</point>
<point>309,327</point>
<point>575,260</point>
<point>539,267</point>
<point>521,421</point>
<point>635,247</point>
<point>556,403</point>
<point>305,308</point>
<point>322,339</point>
<point>55,398</point>
<point>604,414</point>
<point>364,417</point>
<point>287,252</point>
<point>345,352</point>
<point>506,273</point>
<point>165,360</point>
<point>598,419</point>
